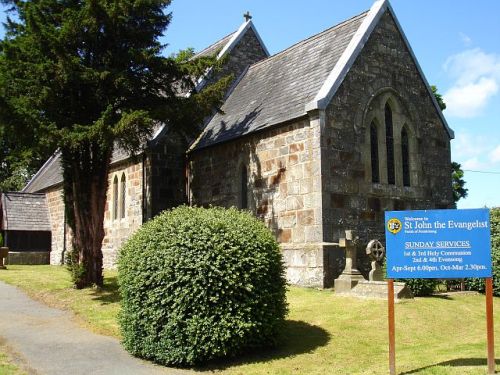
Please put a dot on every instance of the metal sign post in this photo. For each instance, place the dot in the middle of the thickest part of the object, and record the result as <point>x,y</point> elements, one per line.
<point>439,244</point>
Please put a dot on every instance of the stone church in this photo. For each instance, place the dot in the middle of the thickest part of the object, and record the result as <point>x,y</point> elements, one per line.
<point>319,138</point>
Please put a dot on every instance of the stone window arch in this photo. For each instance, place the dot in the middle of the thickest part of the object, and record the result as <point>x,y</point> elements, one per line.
<point>115,198</point>
<point>244,187</point>
<point>374,157</point>
<point>389,143</point>
<point>387,120</point>
<point>405,156</point>
<point>123,195</point>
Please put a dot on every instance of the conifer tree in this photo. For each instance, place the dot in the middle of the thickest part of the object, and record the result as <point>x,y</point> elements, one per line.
<point>85,76</point>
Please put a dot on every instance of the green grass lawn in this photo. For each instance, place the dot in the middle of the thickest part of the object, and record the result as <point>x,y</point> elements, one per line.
<point>6,364</point>
<point>324,334</point>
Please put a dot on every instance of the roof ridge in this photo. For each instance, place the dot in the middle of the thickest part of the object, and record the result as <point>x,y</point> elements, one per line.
<point>311,38</point>
<point>45,165</point>
<point>21,193</point>
<point>213,44</point>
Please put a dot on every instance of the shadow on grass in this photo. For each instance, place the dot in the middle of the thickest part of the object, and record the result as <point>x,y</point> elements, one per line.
<point>459,362</point>
<point>109,293</point>
<point>298,338</point>
<point>444,296</point>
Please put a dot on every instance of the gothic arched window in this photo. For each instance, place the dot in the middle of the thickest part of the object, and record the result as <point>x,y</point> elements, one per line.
<point>244,188</point>
<point>123,196</point>
<point>115,198</point>
<point>405,154</point>
<point>389,141</point>
<point>374,152</point>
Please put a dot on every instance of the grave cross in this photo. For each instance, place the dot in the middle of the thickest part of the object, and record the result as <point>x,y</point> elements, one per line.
<point>247,16</point>
<point>350,276</point>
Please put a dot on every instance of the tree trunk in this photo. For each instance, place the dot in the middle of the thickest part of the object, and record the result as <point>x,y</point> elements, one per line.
<point>85,173</point>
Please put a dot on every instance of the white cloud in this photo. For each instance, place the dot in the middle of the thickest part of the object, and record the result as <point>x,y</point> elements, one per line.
<point>472,164</point>
<point>466,146</point>
<point>466,40</point>
<point>469,100</point>
<point>476,76</point>
<point>476,152</point>
<point>495,155</point>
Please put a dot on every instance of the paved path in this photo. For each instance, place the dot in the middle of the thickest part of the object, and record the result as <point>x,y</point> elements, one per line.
<point>50,343</point>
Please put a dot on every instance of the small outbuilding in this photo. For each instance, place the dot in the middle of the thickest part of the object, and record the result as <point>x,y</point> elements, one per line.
<point>25,226</point>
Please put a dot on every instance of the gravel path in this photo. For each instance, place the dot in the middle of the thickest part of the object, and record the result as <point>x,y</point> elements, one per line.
<point>48,342</point>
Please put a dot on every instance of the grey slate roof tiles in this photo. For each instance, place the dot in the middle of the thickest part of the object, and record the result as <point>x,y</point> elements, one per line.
<point>51,172</point>
<point>214,48</point>
<point>277,89</point>
<point>25,212</point>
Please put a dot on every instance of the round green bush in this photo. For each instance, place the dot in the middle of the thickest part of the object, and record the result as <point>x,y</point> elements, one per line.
<point>199,284</point>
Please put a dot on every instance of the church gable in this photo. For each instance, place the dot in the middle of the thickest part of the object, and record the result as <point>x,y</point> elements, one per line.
<point>276,89</point>
<point>377,15</point>
<point>241,49</point>
<point>386,146</point>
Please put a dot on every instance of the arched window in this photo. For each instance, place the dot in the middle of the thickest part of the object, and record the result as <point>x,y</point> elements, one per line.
<point>244,188</point>
<point>115,198</point>
<point>405,154</point>
<point>374,152</point>
<point>389,141</point>
<point>123,196</point>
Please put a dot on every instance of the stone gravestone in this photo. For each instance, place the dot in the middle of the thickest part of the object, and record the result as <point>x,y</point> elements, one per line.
<point>352,283</point>
<point>350,277</point>
<point>376,251</point>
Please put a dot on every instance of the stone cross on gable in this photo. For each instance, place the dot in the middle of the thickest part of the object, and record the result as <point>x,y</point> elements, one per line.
<point>247,16</point>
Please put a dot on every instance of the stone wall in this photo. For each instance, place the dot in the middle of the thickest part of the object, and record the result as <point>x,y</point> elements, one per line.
<point>384,71</point>
<point>165,170</point>
<point>247,52</point>
<point>283,189</point>
<point>118,229</point>
<point>55,205</point>
<point>28,257</point>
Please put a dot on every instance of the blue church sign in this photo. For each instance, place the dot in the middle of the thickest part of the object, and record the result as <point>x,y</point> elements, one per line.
<point>440,244</point>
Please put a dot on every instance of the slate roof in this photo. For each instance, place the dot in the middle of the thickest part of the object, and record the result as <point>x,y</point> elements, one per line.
<point>276,89</point>
<point>50,174</point>
<point>214,48</point>
<point>25,212</point>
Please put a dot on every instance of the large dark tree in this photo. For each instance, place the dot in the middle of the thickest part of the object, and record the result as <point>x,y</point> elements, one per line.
<point>84,76</point>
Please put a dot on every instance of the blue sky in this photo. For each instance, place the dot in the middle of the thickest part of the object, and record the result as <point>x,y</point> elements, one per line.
<point>455,41</point>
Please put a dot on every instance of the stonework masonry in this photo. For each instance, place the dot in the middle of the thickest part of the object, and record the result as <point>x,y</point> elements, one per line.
<point>57,222</point>
<point>309,179</point>
<point>384,71</point>
<point>118,229</point>
<point>246,52</point>
<point>284,189</point>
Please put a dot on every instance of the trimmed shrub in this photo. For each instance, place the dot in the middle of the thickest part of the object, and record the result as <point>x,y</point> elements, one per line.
<point>199,284</point>
<point>478,284</point>
<point>421,287</point>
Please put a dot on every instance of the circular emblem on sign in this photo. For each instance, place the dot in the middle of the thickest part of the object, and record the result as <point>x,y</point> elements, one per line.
<point>394,225</point>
